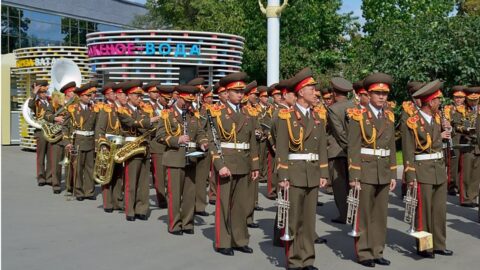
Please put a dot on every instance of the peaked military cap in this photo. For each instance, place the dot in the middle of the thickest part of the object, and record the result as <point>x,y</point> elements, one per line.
<point>108,87</point>
<point>378,82</point>
<point>69,86</point>
<point>151,86</point>
<point>132,87</point>
<point>186,92</point>
<point>251,88</point>
<point>341,85</point>
<point>302,79</point>
<point>234,81</point>
<point>429,91</point>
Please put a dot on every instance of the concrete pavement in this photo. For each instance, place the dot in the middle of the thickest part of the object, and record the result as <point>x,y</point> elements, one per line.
<point>41,230</point>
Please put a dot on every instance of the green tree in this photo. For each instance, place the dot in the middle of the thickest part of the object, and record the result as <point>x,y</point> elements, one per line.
<point>311,31</point>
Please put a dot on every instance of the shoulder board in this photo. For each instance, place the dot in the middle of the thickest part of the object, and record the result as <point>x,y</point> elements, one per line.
<point>147,108</point>
<point>408,107</point>
<point>437,118</point>
<point>107,108</point>
<point>216,110</point>
<point>71,108</point>
<point>390,115</point>
<point>252,111</point>
<point>285,114</point>
<point>321,111</point>
<point>392,104</point>
<point>97,107</point>
<point>197,114</point>
<point>165,114</point>
<point>123,110</point>
<point>412,121</point>
<point>355,114</point>
<point>461,109</point>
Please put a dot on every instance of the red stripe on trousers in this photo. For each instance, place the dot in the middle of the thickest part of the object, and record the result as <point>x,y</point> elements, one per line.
<point>269,174</point>
<point>170,204</point>
<point>460,163</point>
<point>355,239</point>
<point>127,188</point>
<point>217,214</point>
<point>420,208</point>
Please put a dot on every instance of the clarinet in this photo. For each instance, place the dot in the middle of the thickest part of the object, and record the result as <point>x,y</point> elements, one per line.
<point>185,132</point>
<point>449,141</point>
<point>216,140</point>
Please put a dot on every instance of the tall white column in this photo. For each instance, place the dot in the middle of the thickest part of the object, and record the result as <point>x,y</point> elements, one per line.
<point>273,45</point>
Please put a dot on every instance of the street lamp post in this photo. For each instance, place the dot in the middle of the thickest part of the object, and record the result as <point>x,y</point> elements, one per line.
<point>273,12</point>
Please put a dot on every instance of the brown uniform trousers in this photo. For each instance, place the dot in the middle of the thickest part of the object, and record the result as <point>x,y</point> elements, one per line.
<point>202,170</point>
<point>56,150</point>
<point>337,154</point>
<point>156,156</point>
<point>180,175</point>
<point>303,175</point>
<point>453,160</point>
<point>231,207</point>
<point>108,123</point>
<point>83,120</point>
<point>44,173</point>
<point>374,174</point>
<point>469,156</point>
<point>430,175</point>
<point>135,122</point>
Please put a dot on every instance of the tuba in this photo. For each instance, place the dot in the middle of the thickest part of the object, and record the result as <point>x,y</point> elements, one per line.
<point>52,132</point>
<point>104,162</point>
<point>353,201</point>
<point>133,148</point>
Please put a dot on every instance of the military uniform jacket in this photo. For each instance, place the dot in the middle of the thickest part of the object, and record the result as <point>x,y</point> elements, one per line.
<point>265,115</point>
<point>154,109</point>
<point>235,127</point>
<point>108,122</point>
<point>367,131</point>
<point>462,119</point>
<point>272,134</point>
<point>50,115</point>
<point>297,134</point>
<point>337,129</point>
<point>79,119</point>
<point>423,138</point>
<point>134,120</point>
<point>39,108</point>
<point>171,127</point>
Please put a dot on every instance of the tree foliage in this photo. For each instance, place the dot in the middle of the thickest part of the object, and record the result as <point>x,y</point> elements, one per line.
<point>311,31</point>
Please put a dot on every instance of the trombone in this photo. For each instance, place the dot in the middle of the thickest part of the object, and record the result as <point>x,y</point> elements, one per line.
<point>353,201</point>
<point>283,205</point>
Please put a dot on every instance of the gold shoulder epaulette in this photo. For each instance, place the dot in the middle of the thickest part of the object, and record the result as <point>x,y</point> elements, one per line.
<point>252,111</point>
<point>392,104</point>
<point>165,114</point>
<point>123,110</point>
<point>285,114</point>
<point>216,110</point>
<point>355,114</point>
<point>107,108</point>
<point>71,108</point>
<point>197,114</point>
<point>147,108</point>
<point>390,115</point>
<point>97,107</point>
<point>461,109</point>
<point>321,111</point>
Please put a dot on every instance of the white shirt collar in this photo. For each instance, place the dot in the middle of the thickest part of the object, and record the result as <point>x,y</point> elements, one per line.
<point>134,108</point>
<point>236,108</point>
<point>426,116</point>
<point>304,110</point>
<point>178,109</point>
<point>375,110</point>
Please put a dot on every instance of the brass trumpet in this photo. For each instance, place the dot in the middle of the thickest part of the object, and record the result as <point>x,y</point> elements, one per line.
<point>283,205</point>
<point>411,202</point>
<point>353,200</point>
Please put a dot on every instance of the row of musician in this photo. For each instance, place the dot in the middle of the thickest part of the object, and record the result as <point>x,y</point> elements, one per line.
<point>294,135</point>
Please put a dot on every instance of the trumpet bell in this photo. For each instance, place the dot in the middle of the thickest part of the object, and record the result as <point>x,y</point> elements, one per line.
<point>354,233</point>
<point>286,237</point>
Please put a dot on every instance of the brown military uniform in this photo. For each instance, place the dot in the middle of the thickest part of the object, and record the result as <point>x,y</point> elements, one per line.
<point>301,134</point>
<point>202,168</point>
<point>240,155</point>
<point>78,128</point>
<point>44,173</point>
<point>135,122</point>
<point>267,155</point>
<point>107,125</point>
<point>180,173</point>
<point>372,162</point>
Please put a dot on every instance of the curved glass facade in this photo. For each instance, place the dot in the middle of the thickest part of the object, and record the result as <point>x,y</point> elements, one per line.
<point>26,28</point>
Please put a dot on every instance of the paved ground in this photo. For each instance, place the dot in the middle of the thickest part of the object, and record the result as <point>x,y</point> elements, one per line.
<point>41,230</point>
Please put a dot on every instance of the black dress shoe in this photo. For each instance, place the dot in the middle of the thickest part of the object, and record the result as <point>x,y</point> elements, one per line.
<point>108,210</point>
<point>382,261</point>
<point>444,252</point>
<point>244,249</point>
<point>202,213</point>
<point>310,267</point>
<point>468,205</point>
<point>253,225</point>
<point>338,220</point>
<point>48,184</point>
<point>319,203</point>
<point>212,202</point>
<point>225,251</point>
<point>367,263</point>
<point>141,217</point>
<point>258,208</point>
<point>41,184</point>
<point>163,205</point>
<point>188,231</point>
<point>426,254</point>
<point>320,240</point>
<point>91,198</point>
<point>57,191</point>
<point>176,232</point>
<point>129,218</point>
<point>80,198</point>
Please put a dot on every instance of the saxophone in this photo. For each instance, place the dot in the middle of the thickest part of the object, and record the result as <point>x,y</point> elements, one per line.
<point>52,132</point>
<point>104,162</point>
<point>133,148</point>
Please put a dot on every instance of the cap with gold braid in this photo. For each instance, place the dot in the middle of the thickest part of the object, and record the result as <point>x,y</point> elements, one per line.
<point>458,91</point>
<point>83,89</point>
<point>69,87</point>
<point>302,79</point>
<point>108,88</point>
<point>234,81</point>
<point>262,91</point>
<point>358,87</point>
<point>151,87</point>
<point>272,90</point>
<point>282,86</point>
<point>473,92</point>
<point>118,88</point>
<point>414,86</point>
<point>187,92</point>
<point>251,88</point>
<point>208,92</point>
<point>166,90</point>
<point>429,92</point>
<point>133,87</point>
<point>197,82</point>
<point>379,82</point>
